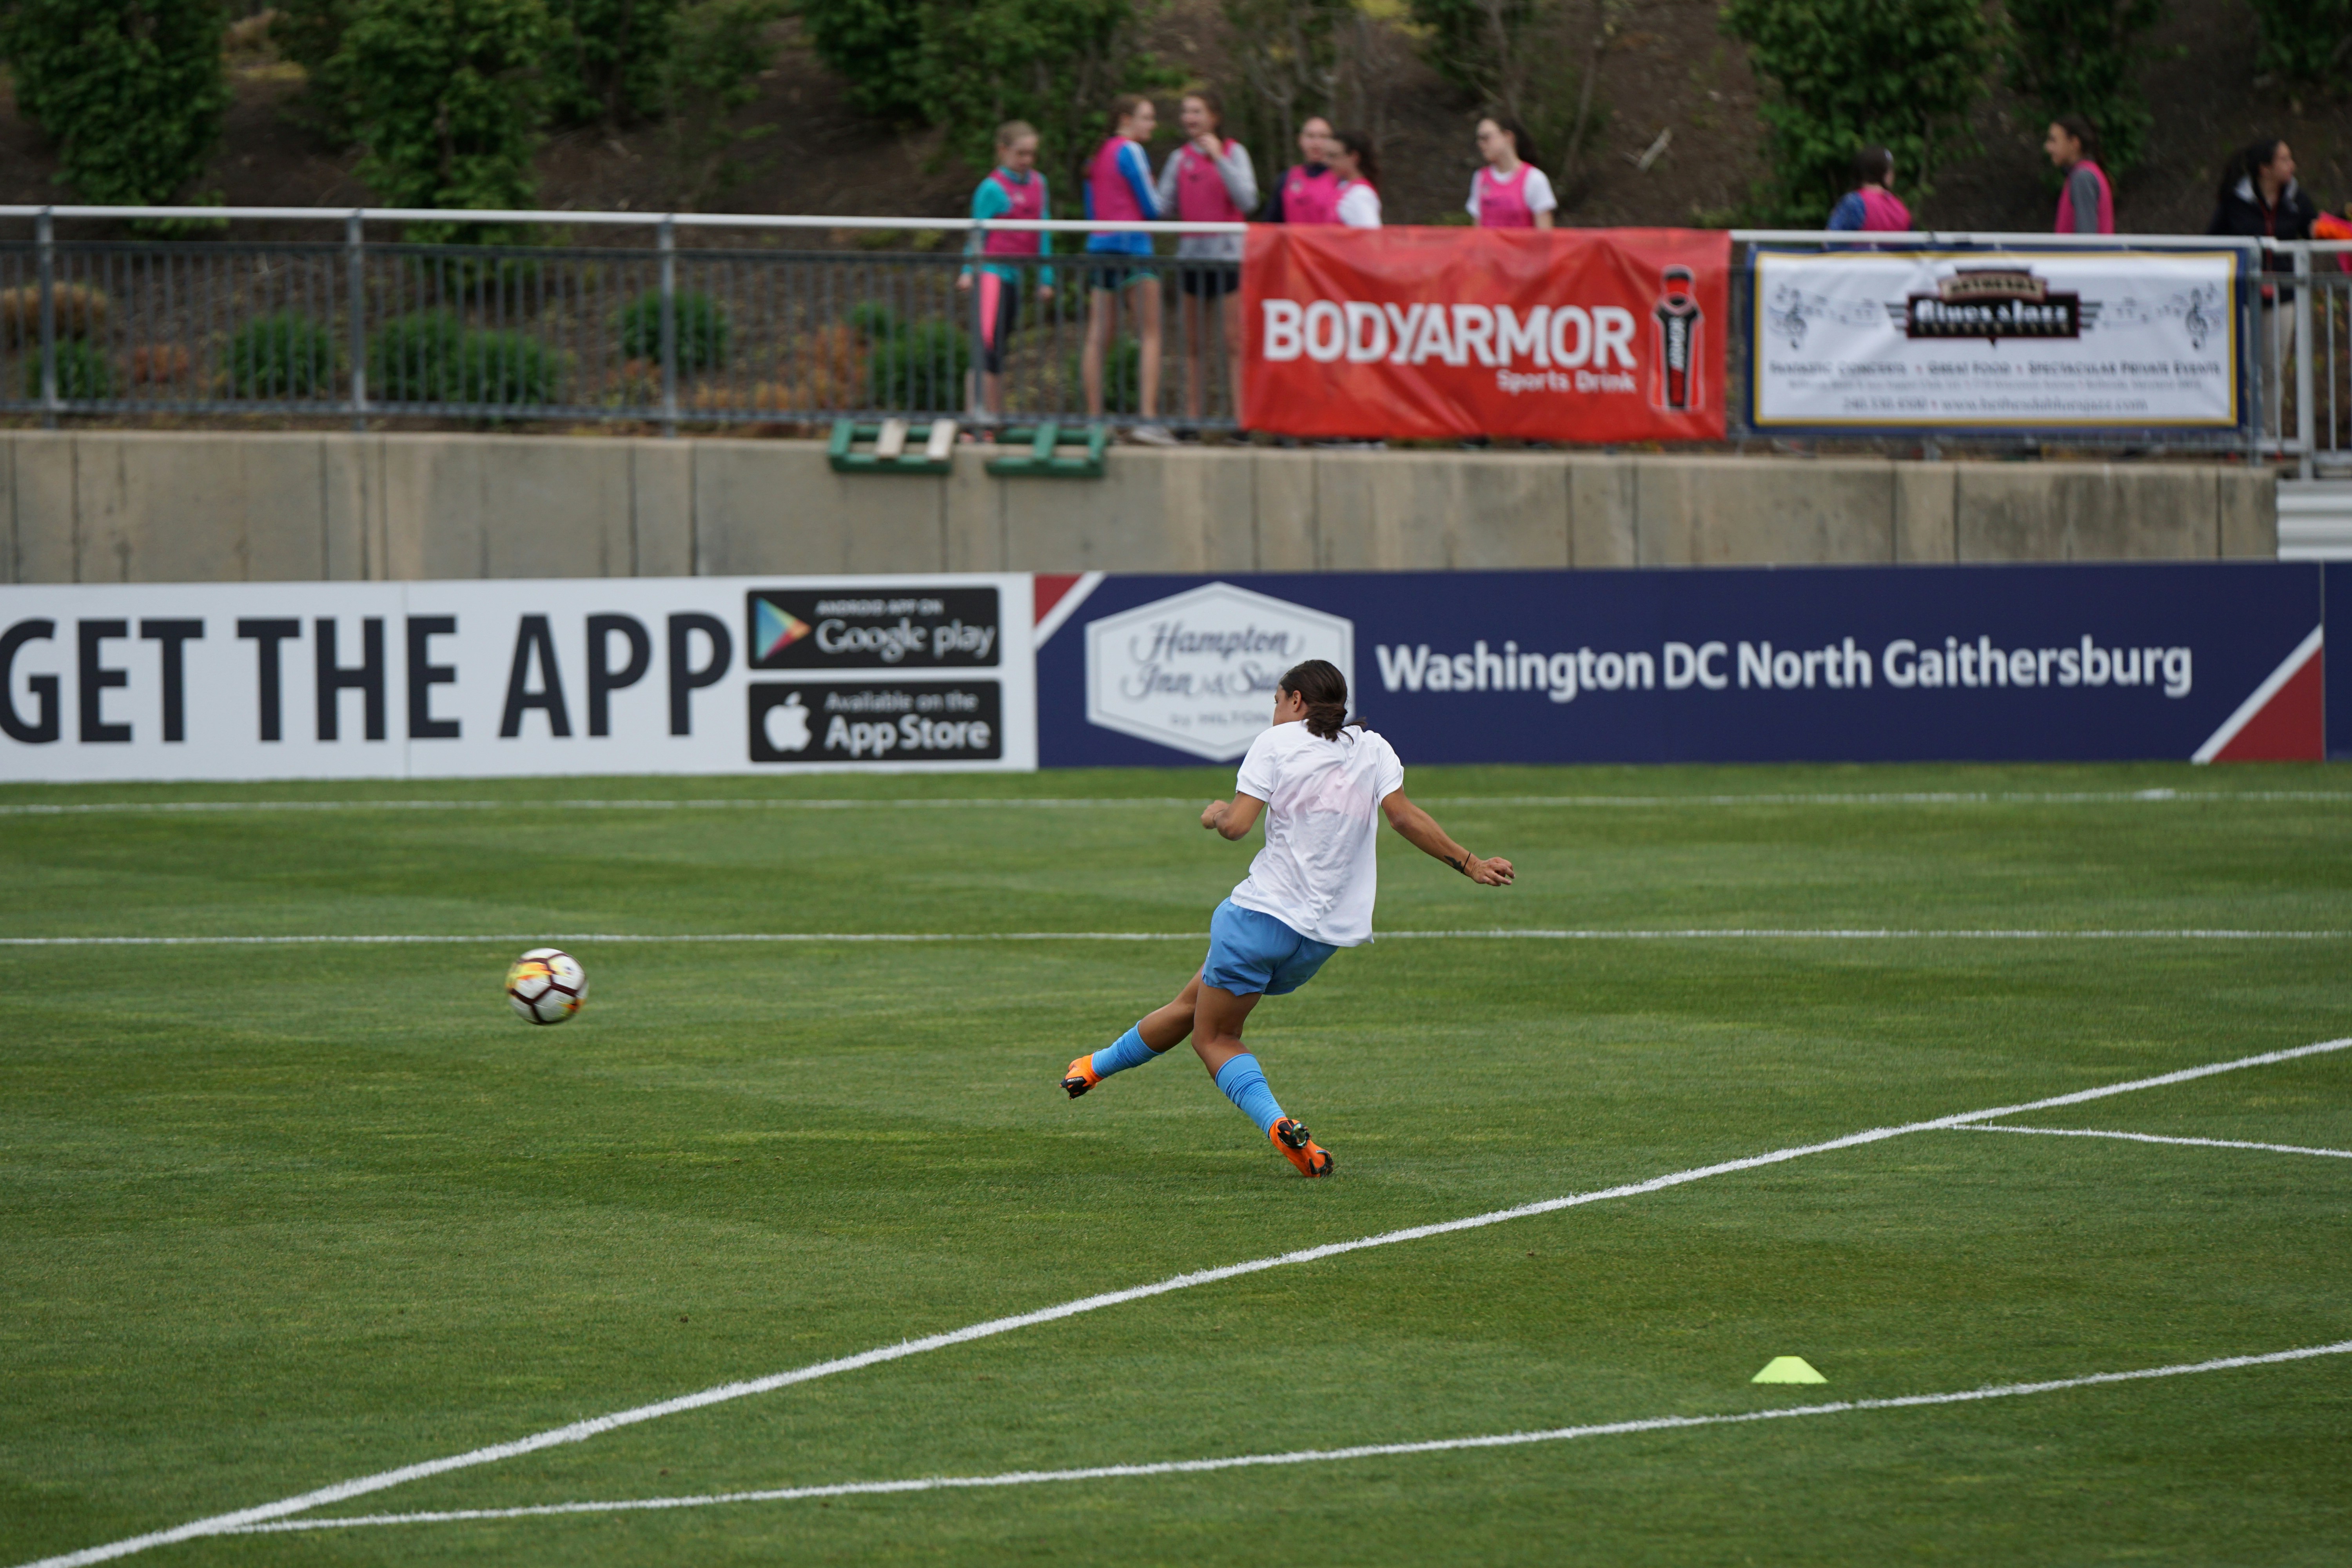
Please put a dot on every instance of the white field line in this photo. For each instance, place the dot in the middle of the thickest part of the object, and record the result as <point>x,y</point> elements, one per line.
<point>1890,797</point>
<point>2152,1138</point>
<point>1695,934</point>
<point>1311,1456</point>
<point>580,1431</point>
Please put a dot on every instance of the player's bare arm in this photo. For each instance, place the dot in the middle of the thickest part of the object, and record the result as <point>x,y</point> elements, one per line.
<point>1232,817</point>
<point>1421,830</point>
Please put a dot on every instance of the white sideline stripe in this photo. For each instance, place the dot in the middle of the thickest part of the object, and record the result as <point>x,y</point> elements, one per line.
<point>1308,1456</point>
<point>2152,1138</point>
<point>1067,803</point>
<point>580,1431</point>
<point>2288,669</point>
<point>1695,935</point>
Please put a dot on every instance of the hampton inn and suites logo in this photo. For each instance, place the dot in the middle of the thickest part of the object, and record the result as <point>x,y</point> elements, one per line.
<point>1197,671</point>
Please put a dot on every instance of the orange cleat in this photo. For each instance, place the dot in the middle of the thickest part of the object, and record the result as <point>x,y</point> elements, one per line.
<point>1081,1076</point>
<point>1311,1158</point>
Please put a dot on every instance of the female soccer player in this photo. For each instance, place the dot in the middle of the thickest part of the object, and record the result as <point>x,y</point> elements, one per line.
<point>1208,180</point>
<point>1309,893</point>
<point>1358,169</point>
<point>1510,192</point>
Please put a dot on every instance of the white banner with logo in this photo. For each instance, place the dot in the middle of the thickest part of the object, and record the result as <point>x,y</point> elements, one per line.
<point>685,675</point>
<point>1996,339</point>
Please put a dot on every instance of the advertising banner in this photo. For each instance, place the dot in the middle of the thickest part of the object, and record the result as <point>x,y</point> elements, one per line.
<point>1547,334</point>
<point>2057,339</point>
<point>709,674</point>
<point>2214,662</point>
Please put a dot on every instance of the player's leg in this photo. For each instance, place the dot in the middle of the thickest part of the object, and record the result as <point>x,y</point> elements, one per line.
<point>1143,298</point>
<point>1099,302</point>
<point>1162,1029</point>
<point>1250,955</point>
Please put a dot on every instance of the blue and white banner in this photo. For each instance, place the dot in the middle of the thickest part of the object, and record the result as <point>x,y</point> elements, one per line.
<point>1860,664</point>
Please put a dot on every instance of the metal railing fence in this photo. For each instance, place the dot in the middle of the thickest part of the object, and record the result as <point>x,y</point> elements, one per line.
<point>716,324</point>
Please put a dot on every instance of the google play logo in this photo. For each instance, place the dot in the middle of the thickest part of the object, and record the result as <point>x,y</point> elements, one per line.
<point>774,630</point>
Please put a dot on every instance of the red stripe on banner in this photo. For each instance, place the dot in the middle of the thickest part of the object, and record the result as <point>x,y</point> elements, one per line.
<point>1051,586</point>
<point>2289,727</point>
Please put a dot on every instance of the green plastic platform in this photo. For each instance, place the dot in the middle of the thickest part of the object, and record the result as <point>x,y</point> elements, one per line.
<point>843,454</point>
<point>1041,463</point>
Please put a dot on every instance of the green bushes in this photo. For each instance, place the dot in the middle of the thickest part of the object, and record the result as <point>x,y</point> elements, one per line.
<point>83,372</point>
<point>2080,56</point>
<point>285,355</point>
<point>968,65</point>
<point>911,364</point>
<point>2303,40</point>
<point>132,93</point>
<point>1844,74</point>
<point>704,332</point>
<point>447,100</point>
<point>431,356</point>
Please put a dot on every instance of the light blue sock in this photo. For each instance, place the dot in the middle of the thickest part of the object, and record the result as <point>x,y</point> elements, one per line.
<point>1244,1085</point>
<point>1128,1051</point>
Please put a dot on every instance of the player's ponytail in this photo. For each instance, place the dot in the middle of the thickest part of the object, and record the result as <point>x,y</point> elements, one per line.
<point>1318,683</point>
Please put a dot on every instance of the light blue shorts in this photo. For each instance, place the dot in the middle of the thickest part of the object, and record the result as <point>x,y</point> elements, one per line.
<point>1252,954</point>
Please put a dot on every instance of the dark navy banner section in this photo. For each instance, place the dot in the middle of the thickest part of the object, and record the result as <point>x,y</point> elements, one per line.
<point>2215,662</point>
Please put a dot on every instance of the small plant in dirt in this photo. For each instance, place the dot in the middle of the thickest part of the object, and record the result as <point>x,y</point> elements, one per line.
<point>414,358</point>
<point>508,368</point>
<point>911,364</point>
<point>77,309</point>
<point>84,373</point>
<point>705,334</point>
<point>285,355</point>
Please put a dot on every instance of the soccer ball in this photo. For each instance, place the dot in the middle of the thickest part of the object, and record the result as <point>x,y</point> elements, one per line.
<point>547,985</point>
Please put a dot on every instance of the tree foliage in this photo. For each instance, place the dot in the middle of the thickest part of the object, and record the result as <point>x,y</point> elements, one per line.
<point>717,49</point>
<point>875,46</point>
<point>132,92</point>
<point>1054,63</point>
<point>2303,40</point>
<point>609,60</point>
<point>1845,74</point>
<point>2081,57</point>
<point>448,99</point>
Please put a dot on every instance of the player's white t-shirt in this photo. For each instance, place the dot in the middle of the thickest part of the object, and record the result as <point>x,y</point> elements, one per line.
<point>1317,873</point>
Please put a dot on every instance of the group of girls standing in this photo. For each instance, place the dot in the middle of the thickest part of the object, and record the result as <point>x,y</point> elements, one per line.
<point>1209,179</point>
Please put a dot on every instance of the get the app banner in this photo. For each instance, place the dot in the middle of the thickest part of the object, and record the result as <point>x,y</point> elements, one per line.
<point>1544,335</point>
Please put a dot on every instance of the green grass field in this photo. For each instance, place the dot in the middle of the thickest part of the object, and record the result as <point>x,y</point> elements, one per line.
<point>276,1216</point>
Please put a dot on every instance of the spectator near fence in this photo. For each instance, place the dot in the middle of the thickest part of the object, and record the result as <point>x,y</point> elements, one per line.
<point>1118,186</point>
<point>1358,168</point>
<point>1013,189</point>
<point>1871,207</point>
<point>1510,192</point>
<point>2086,204</point>
<point>1308,192</point>
<point>2259,199</point>
<point>1208,180</point>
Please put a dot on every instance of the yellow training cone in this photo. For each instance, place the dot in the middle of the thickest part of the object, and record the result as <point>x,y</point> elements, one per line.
<point>1787,1369</point>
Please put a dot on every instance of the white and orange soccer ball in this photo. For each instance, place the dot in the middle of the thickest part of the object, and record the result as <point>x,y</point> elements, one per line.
<point>547,985</point>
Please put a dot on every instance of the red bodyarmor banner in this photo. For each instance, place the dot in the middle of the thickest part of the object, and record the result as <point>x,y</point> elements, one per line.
<point>1549,334</point>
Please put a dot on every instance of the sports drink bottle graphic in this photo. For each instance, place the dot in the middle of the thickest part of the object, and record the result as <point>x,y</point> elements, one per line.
<point>1674,384</point>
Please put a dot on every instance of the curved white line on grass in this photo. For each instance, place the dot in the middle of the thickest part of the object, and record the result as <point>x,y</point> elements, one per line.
<point>1695,935</point>
<point>1311,1456</point>
<point>1913,797</point>
<point>580,1431</point>
<point>2152,1138</point>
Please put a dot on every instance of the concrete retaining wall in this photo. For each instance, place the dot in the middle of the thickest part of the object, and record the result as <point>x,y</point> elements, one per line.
<point>104,507</point>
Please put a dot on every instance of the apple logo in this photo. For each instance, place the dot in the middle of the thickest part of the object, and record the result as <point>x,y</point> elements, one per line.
<point>787,725</point>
